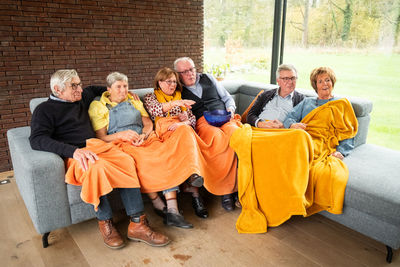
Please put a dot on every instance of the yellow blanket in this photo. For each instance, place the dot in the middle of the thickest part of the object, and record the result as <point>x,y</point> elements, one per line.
<point>327,125</point>
<point>286,172</point>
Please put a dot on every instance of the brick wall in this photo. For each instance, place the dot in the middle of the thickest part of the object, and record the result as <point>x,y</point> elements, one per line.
<point>95,37</point>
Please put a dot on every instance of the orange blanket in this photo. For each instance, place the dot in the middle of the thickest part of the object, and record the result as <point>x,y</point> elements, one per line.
<point>167,158</point>
<point>220,174</point>
<point>288,172</point>
<point>114,169</point>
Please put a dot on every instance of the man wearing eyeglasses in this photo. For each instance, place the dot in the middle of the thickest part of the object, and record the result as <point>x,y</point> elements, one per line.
<point>202,88</point>
<point>62,125</point>
<point>272,106</point>
<point>210,95</point>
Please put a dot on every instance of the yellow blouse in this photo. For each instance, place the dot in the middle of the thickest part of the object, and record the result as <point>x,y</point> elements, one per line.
<point>98,111</point>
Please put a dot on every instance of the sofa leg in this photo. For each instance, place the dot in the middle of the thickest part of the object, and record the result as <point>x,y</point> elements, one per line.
<point>389,254</point>
<point>45,240</point>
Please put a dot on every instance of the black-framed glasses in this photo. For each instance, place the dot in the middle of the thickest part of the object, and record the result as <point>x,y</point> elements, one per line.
<point>286,79</point>
<point>186,72</point>
<point>169,82</point>
<point>76,85</point>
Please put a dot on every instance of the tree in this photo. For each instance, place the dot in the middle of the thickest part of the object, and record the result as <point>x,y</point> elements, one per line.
<point>397,26</point>
<point>305,23</point>
<point>347,18</point>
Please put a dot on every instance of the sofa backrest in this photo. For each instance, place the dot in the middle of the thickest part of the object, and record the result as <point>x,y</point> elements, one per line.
<point>244,92</point>
<point>36,101</point>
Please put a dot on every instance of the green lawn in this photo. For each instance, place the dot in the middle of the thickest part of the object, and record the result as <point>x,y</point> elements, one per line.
<point>374,76</point>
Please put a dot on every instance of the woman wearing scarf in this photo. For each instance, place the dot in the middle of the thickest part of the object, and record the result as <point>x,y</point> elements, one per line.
<point>116,117</point>
<point>166,102</point>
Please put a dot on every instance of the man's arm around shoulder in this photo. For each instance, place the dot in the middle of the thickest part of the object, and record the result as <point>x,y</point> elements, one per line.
<point>90,92</point>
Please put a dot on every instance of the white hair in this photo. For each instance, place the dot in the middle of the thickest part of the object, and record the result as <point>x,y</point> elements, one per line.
<point>282,67</point>
<point>182,59</point>
<point>115,77</point>
<point>61,77</point>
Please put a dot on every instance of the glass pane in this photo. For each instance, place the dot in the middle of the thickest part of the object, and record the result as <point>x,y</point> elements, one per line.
<point>359,40</point>
<point>238,39</point>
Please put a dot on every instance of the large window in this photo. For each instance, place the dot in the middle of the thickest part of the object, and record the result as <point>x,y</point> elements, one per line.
<point>358,39</point>
<point>238,38</point>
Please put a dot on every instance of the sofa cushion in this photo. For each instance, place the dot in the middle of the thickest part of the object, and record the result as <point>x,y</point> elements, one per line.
<point>374,182</point>
<point>369,225</point>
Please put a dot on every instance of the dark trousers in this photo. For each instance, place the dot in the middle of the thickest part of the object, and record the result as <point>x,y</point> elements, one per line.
<point>131,198</point>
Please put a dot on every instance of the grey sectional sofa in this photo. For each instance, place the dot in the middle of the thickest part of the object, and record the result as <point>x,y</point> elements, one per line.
<point>372,199</point>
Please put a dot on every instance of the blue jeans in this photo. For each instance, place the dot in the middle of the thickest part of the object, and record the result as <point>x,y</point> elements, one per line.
<point>131,198</point>
<point>176,188</point>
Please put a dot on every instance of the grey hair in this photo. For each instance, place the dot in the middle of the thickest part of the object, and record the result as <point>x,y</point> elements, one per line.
<point>115,77</point>
<point>282,67</point>
<point>182,59</point>
<point>61,77</point>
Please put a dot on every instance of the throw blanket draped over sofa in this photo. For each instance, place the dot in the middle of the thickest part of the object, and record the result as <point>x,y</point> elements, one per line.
<point>371,204</point>
<point>285,172</point>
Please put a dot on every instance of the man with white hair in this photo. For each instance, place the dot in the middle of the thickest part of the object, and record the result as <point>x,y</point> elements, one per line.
<point>61,125</point>
<point>211,95</point>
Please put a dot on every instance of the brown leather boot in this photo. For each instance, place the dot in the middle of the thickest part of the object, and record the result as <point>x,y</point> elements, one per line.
<point>111,236</point>
<point>140,231</point>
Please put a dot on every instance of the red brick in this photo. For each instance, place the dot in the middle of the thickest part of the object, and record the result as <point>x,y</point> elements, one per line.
<point>36,3</point>
<point>32,9</point>
<point>24,17</point>
<point>15,124</point>
<point>39,37</point>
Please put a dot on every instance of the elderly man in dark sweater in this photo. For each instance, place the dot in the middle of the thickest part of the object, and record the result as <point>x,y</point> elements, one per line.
<point>272,106</point>
<point>61,125</point>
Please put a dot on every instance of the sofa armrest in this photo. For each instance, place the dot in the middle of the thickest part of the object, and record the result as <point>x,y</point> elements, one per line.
<point>40,179</point>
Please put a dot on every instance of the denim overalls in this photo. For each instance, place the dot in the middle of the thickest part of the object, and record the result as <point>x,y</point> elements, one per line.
<point>124,116</point>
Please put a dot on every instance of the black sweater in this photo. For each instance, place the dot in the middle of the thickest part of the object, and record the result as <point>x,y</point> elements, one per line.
<point>263,99</point>
<point>62,127</point>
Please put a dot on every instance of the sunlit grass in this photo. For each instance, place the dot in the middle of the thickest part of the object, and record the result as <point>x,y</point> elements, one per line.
<point>371,75</point>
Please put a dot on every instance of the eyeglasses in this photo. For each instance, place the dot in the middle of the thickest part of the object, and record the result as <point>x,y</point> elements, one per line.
<point>286,79</point>
<point>170,82</point>
<point>327,80</point>
<point>76,85</point>
<point>186,72</point>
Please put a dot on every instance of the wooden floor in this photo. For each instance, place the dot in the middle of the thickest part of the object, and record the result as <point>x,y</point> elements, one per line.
<point>313,241</point>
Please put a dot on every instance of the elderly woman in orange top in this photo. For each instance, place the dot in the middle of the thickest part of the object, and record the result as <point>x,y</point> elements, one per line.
<point>116,117</point>
<point>166,102</point>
